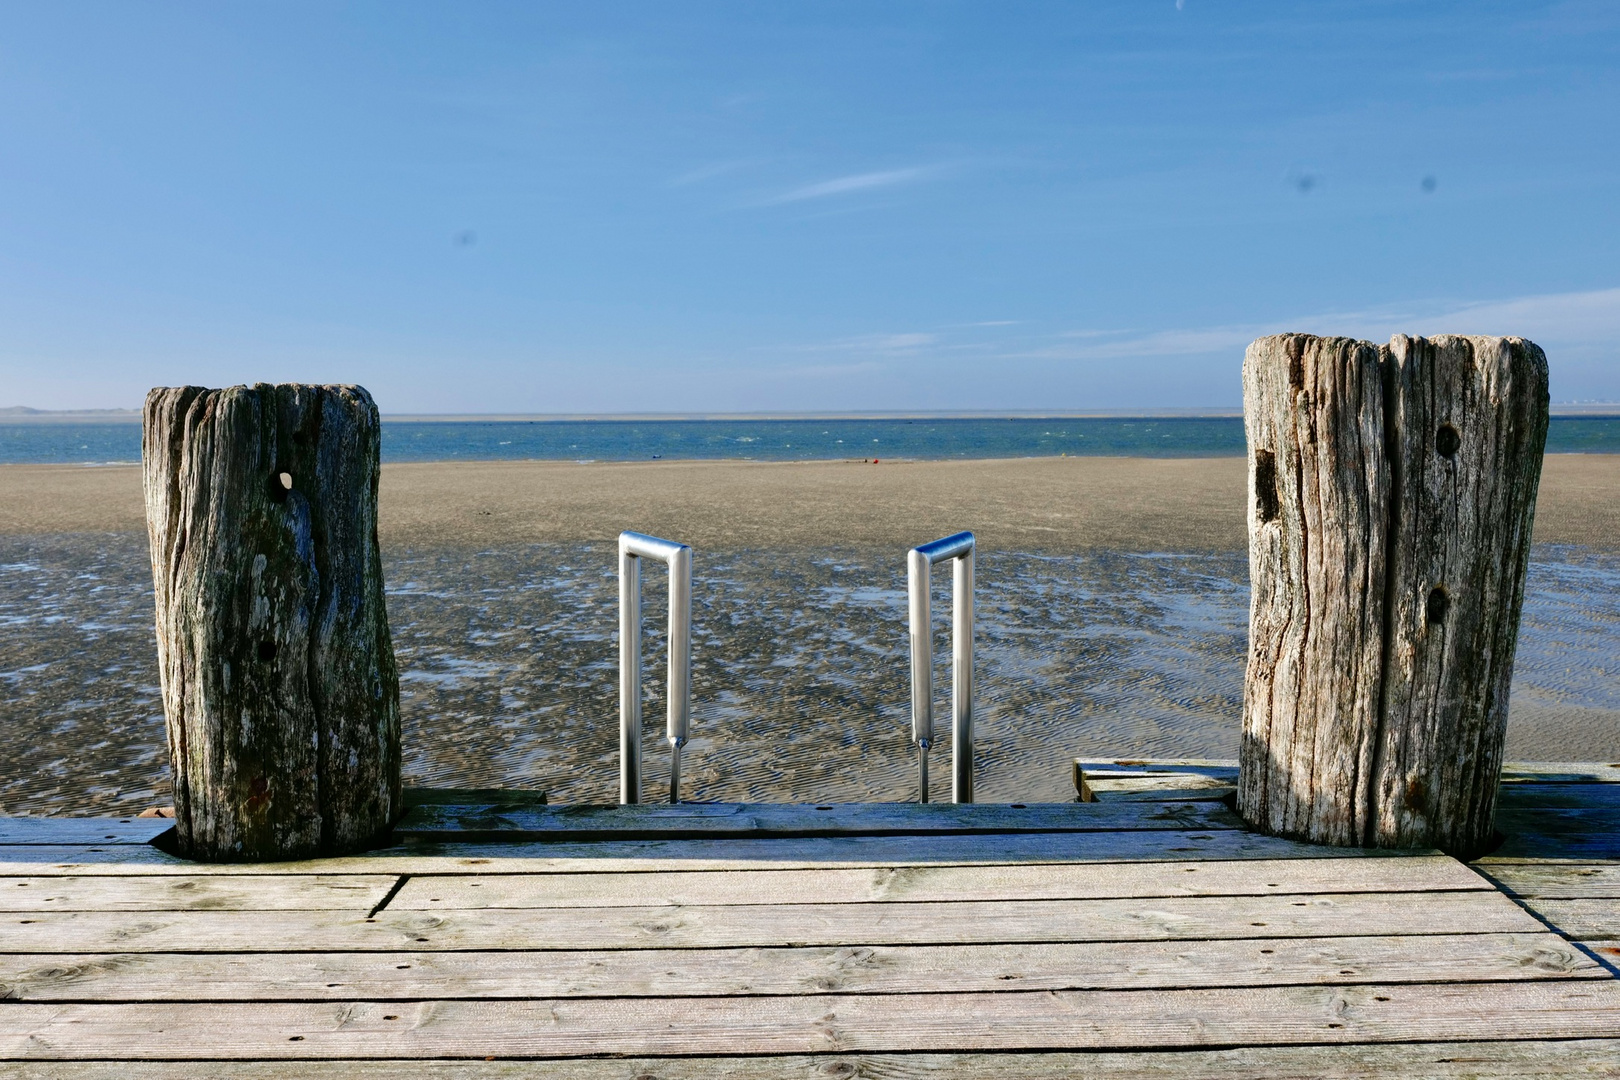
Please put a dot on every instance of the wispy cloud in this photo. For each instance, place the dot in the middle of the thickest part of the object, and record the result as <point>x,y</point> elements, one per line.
<point>845,185</point>
<point>901,343</point>
<point>1580,323</point>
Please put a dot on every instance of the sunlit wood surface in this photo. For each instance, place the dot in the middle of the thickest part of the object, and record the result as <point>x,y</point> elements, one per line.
<point>1145,934</point>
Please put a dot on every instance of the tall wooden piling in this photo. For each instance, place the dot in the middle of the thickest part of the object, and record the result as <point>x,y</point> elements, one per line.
<point>279,684</point>
<point>1392,492</point>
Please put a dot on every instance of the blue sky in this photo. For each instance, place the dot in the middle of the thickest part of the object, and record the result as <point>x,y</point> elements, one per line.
<point>603,207</point>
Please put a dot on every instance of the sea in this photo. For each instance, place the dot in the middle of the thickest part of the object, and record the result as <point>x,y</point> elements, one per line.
<point>508,656</point>
<point>760,440</point>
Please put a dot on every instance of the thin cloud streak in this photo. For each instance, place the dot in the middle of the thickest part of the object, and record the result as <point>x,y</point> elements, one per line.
<point>1581,322</point>
<point>845,185</point>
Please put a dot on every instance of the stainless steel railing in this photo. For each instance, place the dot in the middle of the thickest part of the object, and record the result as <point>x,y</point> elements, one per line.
<point>633,547</point>
<point>919,562</point>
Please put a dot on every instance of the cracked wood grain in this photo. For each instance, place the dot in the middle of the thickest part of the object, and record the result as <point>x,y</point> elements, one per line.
<point>1391,496</point>
<point>279,684</point>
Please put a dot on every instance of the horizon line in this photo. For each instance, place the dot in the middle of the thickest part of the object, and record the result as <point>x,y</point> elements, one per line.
<point>25,414</point>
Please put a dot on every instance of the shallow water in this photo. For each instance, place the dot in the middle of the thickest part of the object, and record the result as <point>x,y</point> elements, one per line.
<point>508,664</point>
<point>760,439</point>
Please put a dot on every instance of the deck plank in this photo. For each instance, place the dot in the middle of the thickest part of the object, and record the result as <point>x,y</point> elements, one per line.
<point>1572,1059</point>
<point>936,883</point>
<point>56,831</point>
<point>1584,919</point>
<point>1558,832</point>
<point>1160,918</point>
<point>1565,796</point>
<point>1562,881</point>
<point>879,969</point>
<point>1606,952</point>
<point>337,892</point>
<point>638,855</point>
<point>1058,1020</point>
<point>781,820</point>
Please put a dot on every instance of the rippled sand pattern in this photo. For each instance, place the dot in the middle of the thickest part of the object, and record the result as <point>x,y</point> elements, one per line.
<point>509,669</point>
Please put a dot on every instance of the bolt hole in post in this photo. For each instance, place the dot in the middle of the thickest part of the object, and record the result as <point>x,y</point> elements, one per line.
<point>633,547</point>
<point>919,565</point>
<point>1437,606</point>
<point>280,484</point>
<point>1447,441</point>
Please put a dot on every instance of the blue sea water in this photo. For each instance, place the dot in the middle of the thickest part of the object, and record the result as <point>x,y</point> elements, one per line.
<point>765,440</point>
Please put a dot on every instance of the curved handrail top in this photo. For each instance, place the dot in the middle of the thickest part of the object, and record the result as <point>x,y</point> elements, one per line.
<point>652,547</point>
<point>950,547</point>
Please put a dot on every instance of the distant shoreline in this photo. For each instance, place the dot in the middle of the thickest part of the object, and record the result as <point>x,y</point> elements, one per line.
<point>22,415</point>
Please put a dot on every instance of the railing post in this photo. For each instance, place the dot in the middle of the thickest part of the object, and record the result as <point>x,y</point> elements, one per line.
<point>919,563</point>
<point>633,547</point>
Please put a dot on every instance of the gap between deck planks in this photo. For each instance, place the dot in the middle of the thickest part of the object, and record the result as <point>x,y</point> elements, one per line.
<point>1052,1020</point>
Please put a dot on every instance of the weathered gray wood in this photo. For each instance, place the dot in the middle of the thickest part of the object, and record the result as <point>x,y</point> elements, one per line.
<point>1225,770</point>
<point>1571,772</point>
<point>1607,953</point>
<point>1558,833</point>
<point>1319,489</point>
<point>1559,881</point>
<point>1563,1008</point>
<point>880,969</point>
<point>279,682</point>
<point>1585,919</point>
<point>1564,1059</point>
<point>1559,796</point>
<point>336,892</point>
<point>758,820</point>
<point>935,883</point>
<point>1468,419</point>
<point>1391,497</point>
<point>665,927</point>
<point>626,855</point>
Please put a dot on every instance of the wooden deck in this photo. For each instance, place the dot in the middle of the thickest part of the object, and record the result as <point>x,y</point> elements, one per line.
<point>1143,935</point>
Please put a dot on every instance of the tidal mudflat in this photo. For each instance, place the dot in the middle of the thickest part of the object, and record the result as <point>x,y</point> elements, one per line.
<point>508,661</point>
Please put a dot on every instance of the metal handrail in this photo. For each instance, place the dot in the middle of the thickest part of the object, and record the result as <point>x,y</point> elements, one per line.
<point>919,562</point>
<point>633,547</point>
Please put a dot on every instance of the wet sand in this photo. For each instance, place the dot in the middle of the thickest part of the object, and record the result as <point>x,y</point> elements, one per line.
<point>1023,504</point>
<point>1112,613</point>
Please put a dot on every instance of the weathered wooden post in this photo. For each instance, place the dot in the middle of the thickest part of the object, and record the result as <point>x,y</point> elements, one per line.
<point>279,683</point>
<point>1391,496</point>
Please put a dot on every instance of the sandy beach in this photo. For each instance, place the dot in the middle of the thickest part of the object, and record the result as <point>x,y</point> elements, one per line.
<point>1023,504</point>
